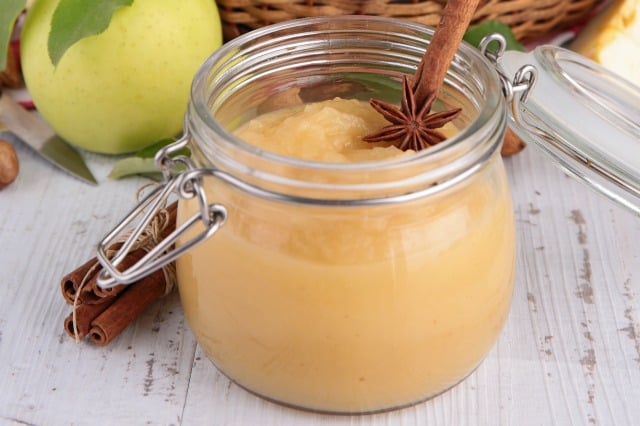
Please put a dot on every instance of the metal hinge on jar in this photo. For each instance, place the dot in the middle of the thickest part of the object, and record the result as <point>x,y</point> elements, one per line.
<point>186,184</point>
<point>581,115</point>
<point>522,83</point>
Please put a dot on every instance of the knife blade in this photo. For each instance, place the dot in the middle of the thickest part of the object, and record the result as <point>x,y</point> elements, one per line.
<point>36,133</point>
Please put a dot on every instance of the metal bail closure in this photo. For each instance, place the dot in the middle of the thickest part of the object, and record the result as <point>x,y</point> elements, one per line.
<point>187,184</point>
<point>581,115</point>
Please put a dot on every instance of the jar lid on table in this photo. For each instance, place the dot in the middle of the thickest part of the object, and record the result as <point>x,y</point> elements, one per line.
<point>583,116</point>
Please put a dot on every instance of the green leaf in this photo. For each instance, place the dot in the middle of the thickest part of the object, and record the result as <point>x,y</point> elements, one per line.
<point>132,166</point>
<point>9,12</point>
<point>152,150</point>
<point>476,33</point>
<point>142,162</point>
<point>74,20</point>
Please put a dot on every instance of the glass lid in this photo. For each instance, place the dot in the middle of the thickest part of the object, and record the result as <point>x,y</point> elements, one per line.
<point>585,117</point>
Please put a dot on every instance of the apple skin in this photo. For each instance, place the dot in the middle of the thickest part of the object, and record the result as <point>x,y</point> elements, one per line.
<point>127,87</point>
<point>612,38</point>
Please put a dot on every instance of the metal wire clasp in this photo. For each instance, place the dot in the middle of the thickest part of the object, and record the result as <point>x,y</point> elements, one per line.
<point>187,184</point>
<point>523,80</point>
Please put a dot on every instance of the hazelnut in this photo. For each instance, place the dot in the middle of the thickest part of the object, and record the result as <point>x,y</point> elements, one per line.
<point>9,165</point>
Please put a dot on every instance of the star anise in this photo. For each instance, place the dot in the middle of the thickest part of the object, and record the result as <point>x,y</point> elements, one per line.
<point>412,126</point>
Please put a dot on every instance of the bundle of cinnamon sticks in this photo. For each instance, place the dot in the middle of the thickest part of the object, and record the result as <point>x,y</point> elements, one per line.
<point>101,314</point>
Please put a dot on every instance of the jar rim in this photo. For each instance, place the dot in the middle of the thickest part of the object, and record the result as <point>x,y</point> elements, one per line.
<point>472,144</point>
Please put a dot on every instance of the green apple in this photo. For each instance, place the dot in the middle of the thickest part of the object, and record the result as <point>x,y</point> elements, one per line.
<point>127,87</point>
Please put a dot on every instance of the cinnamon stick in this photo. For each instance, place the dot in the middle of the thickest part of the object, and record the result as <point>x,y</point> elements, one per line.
<point>84,316</point>
<point>91,292</point>
<point>442,48</point>
<point>71,282</point>
<point>126,307</point>
<point>102,314</point>
<point>412,125</point>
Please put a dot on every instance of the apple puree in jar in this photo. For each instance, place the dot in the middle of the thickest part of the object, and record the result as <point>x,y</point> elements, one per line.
<point>343,308</point>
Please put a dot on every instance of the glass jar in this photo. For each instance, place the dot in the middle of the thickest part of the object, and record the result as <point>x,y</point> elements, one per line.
<point>346,288</point>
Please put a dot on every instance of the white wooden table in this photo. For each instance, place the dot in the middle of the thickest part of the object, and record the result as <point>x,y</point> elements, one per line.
<point>569,354</point>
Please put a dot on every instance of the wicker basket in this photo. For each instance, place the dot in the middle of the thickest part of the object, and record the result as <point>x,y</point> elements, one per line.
<point>528,19</point>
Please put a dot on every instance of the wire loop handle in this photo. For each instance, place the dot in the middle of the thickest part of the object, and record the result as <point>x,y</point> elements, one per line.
<point>187,184</point>
<point>522,83</point>
<point>524,79</point>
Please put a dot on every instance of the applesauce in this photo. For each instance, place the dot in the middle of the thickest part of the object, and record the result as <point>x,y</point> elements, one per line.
<point>348,277</point>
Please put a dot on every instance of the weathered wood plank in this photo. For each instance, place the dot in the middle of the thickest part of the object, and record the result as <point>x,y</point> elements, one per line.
<point>49,224</point>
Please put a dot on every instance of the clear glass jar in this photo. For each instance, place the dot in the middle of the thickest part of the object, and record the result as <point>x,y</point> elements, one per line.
<point>347,288</point>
